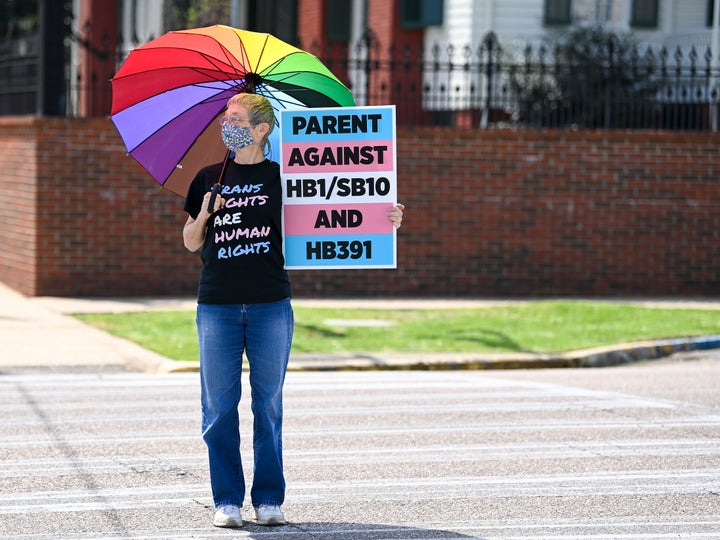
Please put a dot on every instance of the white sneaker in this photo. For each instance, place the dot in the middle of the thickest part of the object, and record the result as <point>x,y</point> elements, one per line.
<point>269,515</point>
<point>228,515</point>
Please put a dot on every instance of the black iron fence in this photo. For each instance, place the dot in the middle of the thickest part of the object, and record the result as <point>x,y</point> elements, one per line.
<point>19,76</point>
<point>607,85</point>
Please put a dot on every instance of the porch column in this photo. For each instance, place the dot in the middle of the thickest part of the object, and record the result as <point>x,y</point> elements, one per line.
<point>98,29</point>
<point>311,26</point>
<point>392,86</point>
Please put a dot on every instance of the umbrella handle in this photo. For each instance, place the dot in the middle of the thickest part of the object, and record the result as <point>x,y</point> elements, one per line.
<point>213,196</point>
<point>216,188</point>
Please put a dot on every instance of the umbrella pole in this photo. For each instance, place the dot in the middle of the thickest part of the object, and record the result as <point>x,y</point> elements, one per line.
<point>216,187</point>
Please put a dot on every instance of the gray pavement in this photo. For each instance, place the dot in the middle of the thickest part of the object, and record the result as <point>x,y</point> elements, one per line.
<point>623,453</point>
<point>39,332</point>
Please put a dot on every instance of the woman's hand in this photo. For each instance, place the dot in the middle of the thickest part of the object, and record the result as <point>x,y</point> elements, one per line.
<point>395,215</point>
<point>219,203</point>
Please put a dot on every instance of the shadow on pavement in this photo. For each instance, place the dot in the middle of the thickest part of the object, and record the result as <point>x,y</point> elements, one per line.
<point>353,531</point>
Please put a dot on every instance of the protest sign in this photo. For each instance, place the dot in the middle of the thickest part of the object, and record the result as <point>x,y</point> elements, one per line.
<point>339,174</point>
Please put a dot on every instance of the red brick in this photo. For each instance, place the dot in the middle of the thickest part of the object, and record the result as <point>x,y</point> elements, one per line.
<point>590,213</point>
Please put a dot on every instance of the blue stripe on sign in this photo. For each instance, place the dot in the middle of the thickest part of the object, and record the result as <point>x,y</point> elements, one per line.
<point>339,250</point>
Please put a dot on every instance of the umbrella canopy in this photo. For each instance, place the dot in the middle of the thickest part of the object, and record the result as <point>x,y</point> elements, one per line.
<point>169,92</point>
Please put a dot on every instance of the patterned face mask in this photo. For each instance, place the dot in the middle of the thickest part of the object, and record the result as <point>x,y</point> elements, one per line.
<point>236,137</point>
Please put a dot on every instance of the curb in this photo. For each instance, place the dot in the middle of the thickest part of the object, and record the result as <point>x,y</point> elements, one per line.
<point>585,358</point>
<point>647,351</point>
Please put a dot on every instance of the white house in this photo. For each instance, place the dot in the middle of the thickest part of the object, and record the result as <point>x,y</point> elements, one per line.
<point>669,23</point>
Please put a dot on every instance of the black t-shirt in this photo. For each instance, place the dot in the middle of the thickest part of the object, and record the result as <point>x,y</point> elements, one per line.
<point>242,256</point>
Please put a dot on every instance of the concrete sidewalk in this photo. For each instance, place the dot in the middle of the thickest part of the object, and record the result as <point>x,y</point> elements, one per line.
<point>35,335</point>
<point>40,333</point>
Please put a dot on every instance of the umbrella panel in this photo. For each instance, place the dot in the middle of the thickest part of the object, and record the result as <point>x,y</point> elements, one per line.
<point>144,119</point>
<point>165,149</point>
<point>206,150</point>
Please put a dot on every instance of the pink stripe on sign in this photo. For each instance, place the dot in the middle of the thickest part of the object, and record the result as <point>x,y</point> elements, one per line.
<point>349,156</point>
<point>323,219</point>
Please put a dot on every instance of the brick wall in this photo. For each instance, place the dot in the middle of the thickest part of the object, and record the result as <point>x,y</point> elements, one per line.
<point>552,213</point>
<point>490,213</point>
<point>18,186</point>
<point>94,224</point>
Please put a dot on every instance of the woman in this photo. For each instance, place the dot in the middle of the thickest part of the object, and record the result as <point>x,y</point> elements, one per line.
<point>243,307</point>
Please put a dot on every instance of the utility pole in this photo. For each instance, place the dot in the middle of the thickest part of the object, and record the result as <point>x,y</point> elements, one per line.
<point>238,13</point>
<point>715,65</point>
<point>51,67</point>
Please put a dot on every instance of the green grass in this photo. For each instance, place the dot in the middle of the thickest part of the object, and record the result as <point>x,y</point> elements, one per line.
<point>540,327</point>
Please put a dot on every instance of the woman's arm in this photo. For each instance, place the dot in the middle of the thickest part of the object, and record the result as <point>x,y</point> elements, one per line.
<point>194,233</point>
<point>195,228</point>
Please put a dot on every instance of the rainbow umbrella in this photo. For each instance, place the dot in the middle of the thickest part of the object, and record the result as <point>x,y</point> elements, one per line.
<point>169,93</point>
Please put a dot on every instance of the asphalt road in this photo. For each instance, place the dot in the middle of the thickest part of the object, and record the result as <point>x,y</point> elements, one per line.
<point>629,452</point>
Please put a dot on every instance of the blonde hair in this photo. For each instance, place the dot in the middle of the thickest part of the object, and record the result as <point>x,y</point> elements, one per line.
<point>259,111</point>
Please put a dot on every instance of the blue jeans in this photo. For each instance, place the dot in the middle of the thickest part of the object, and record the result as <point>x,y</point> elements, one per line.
<point>264,332</point>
